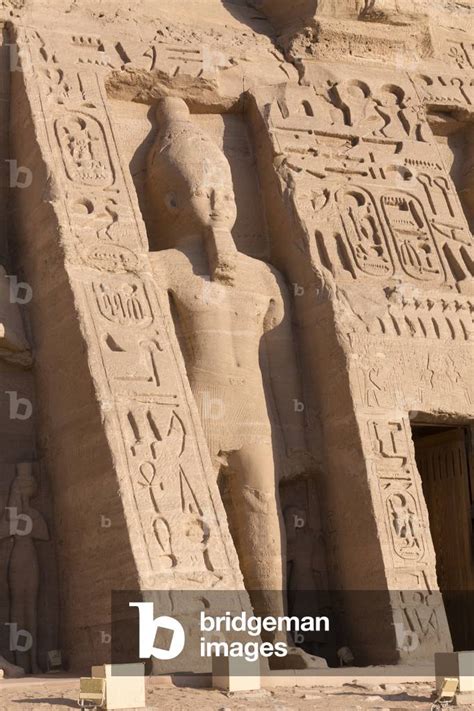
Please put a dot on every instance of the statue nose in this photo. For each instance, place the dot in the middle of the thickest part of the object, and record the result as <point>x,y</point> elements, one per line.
<point>216,199</point>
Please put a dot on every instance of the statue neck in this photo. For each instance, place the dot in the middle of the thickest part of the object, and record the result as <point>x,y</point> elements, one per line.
<point>212,251</point>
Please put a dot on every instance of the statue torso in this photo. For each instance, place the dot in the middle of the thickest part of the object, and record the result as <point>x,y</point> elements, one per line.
<point>221,325</point>
<point>220,328</point>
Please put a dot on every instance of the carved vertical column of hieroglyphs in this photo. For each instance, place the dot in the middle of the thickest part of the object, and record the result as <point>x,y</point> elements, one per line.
<point>172,514</point>
<point>377,215</point>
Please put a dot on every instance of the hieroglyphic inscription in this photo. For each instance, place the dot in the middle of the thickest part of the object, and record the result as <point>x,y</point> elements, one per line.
<point>399,215</point>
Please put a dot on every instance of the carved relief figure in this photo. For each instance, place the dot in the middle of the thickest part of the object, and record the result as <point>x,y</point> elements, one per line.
<point>25,525</point>
<point>404,520</point>
<point>238,347</point>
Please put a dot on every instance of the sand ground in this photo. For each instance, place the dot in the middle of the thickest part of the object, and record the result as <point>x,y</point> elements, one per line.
<point>349,696</point>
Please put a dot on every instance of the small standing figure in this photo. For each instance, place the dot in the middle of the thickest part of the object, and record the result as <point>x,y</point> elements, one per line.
<point>26,525</point>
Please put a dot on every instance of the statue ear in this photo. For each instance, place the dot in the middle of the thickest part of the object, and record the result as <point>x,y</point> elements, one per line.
<point>171,202</point>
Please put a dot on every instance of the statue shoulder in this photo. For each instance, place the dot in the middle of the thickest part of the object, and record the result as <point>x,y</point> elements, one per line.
<point>167,264</point>
<point>270,277</point>
<point>276,281</point>
<point>266,270</point>
<point>165,257</point>
<point>269,281</point>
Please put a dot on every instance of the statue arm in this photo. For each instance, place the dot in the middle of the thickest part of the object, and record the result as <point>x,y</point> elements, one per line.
<point>14,502</point>
<point>283,367</point>
<point>164,270</point>
<point>5,520</point>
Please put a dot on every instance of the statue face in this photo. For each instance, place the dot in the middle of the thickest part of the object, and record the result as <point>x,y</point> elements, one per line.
<point>214,205</point>
<point>203,204</point>
<point>203,195</point>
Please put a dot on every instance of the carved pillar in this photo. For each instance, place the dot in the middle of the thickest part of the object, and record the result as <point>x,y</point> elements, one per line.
<point>131,475</point>
<point>365,219</point>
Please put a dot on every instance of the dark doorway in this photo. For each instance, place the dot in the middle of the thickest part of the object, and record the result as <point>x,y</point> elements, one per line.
<point>455,137</point>
<point>443,460</point>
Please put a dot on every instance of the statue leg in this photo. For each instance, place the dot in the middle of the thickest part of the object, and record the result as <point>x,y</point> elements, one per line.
<point>257,525</point>
<point>25,617</point>
<point>259,533</point>
<point>32,622</point>
<point>24,584</point>
<point>18,618</point>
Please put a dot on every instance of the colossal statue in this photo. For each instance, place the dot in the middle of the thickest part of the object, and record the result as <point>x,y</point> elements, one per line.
<point>233,321</point>
<point>24,524</point>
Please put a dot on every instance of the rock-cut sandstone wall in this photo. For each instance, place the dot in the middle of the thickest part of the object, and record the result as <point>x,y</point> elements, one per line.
<point>348,130</point>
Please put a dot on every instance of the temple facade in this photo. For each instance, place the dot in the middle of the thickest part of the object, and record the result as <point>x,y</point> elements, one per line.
<point>236,316</point>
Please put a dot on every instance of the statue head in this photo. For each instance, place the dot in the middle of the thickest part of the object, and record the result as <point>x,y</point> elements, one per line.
<point>189,180</point>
